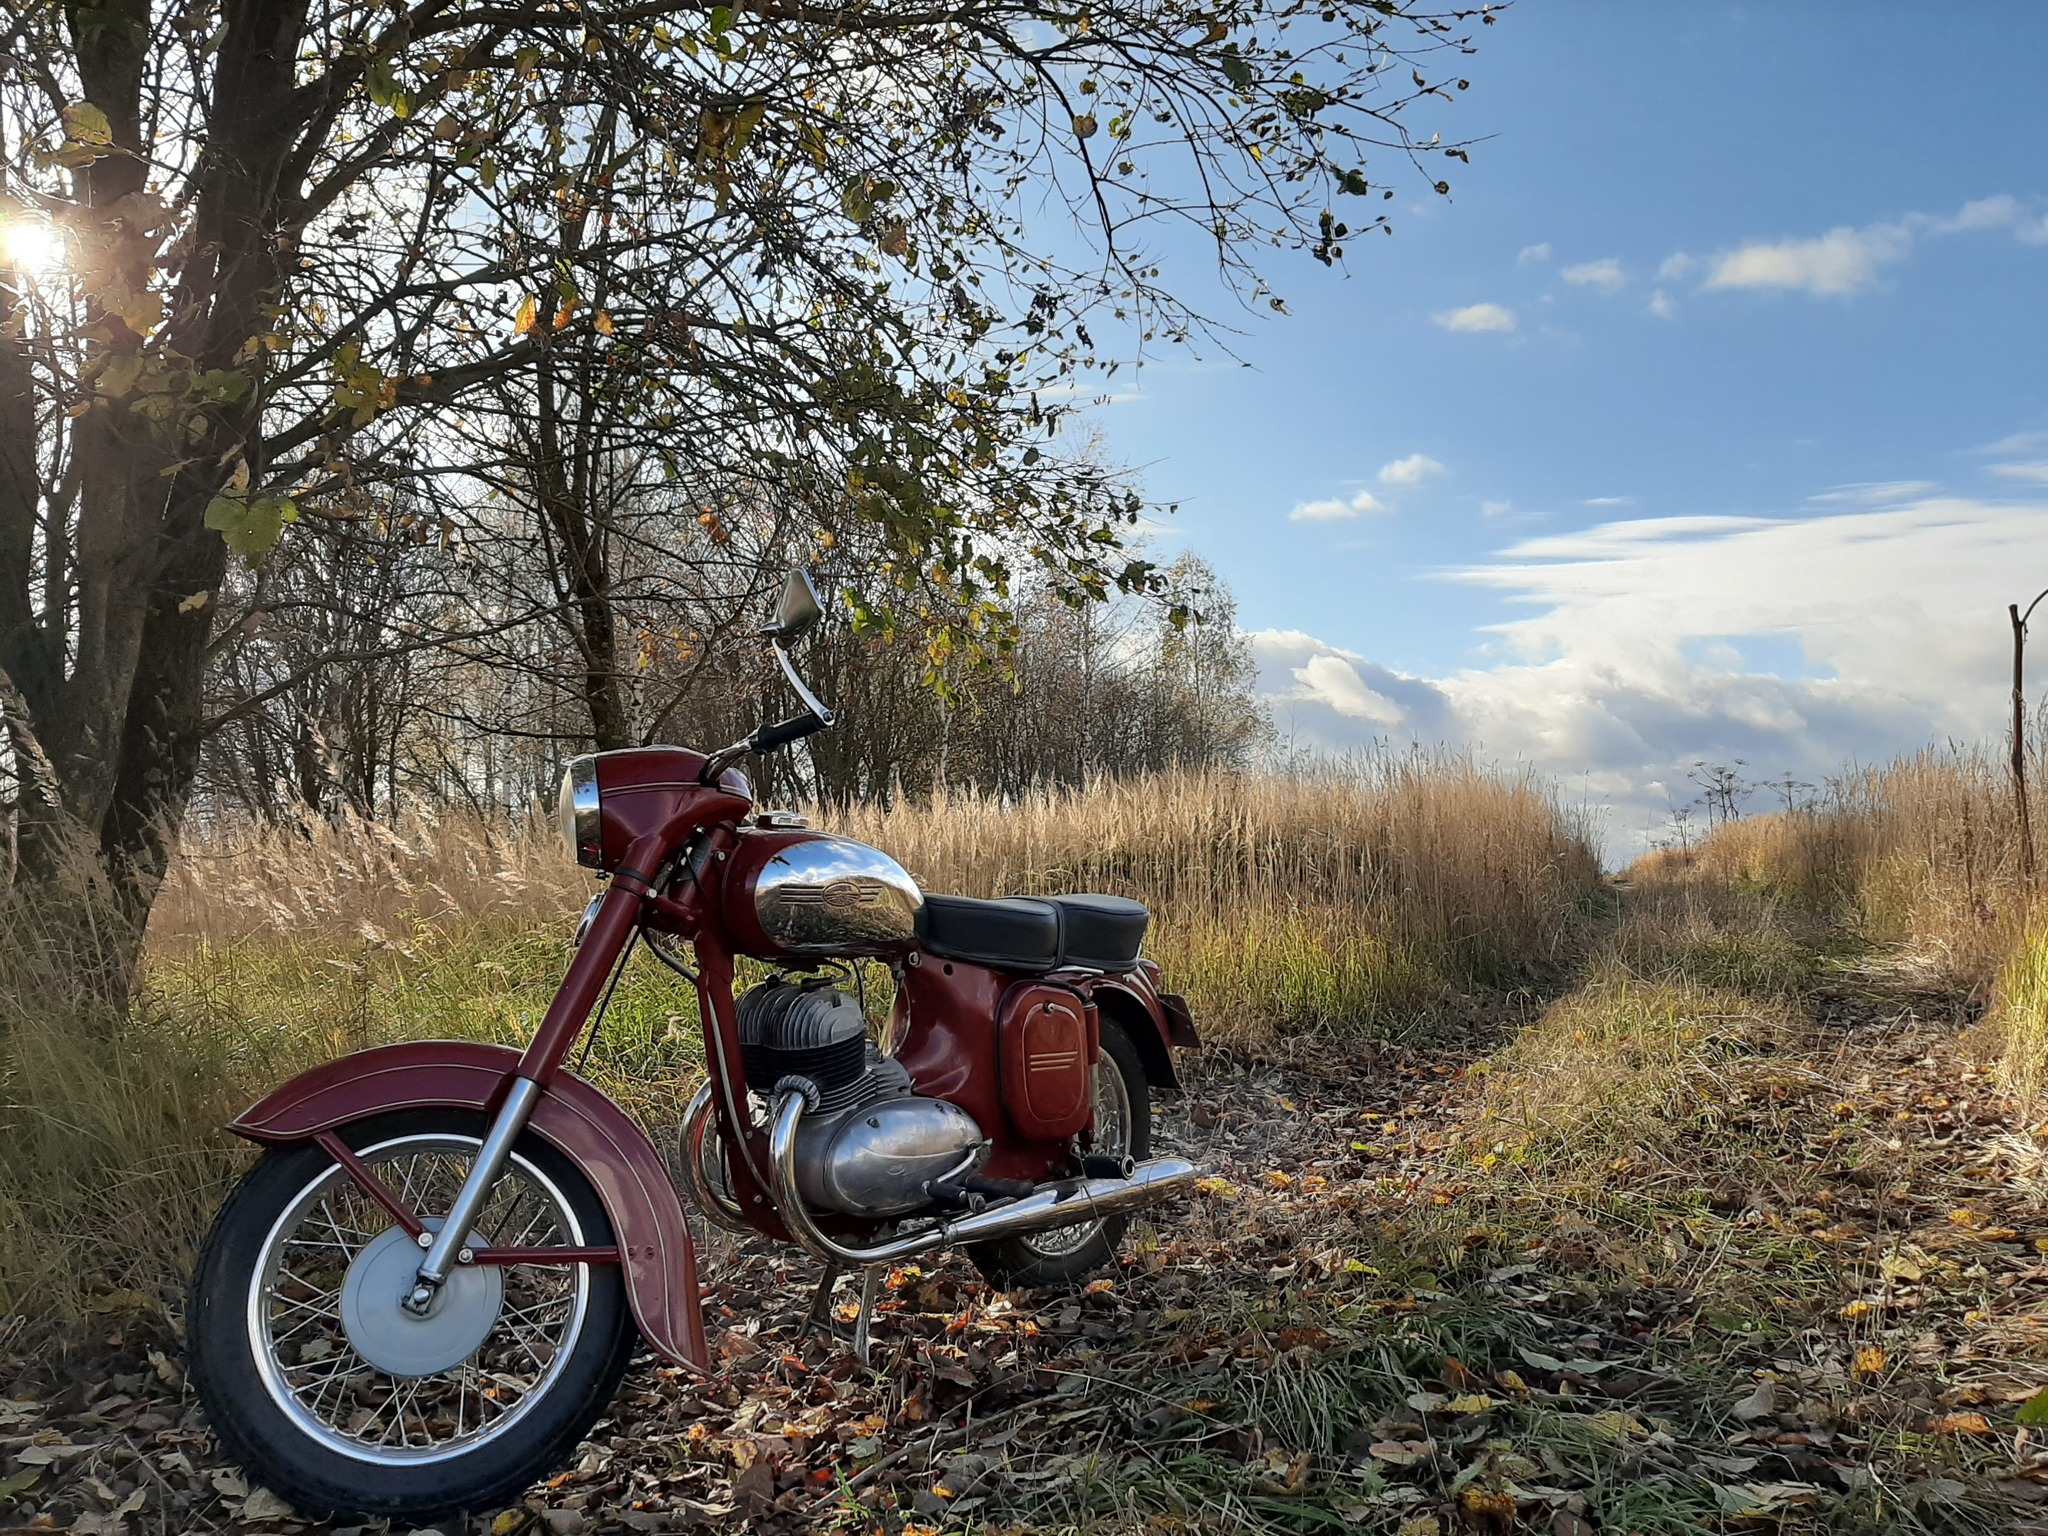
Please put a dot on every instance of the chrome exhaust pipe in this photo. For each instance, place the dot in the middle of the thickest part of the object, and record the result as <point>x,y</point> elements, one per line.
<point>1062,1204</point>
<point>714,1204</point>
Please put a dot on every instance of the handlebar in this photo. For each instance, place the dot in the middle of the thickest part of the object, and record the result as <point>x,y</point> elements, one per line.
<point>783,732</point>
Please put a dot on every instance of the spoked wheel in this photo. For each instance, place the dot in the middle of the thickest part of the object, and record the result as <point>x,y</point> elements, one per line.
<point>338,1399</point>
<point>1123,1126</point>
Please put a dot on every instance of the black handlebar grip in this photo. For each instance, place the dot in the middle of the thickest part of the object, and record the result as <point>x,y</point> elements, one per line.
<point>783,732</point>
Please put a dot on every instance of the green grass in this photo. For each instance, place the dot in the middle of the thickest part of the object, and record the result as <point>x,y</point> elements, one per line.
<point>116,1158</point>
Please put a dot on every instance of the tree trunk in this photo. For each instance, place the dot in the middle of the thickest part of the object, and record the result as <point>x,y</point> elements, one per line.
<point>122,725</point>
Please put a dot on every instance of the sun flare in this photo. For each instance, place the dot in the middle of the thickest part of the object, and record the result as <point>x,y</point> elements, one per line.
<point>32,246</point>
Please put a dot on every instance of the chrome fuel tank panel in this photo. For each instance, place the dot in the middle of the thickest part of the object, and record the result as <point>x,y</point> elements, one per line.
<point>824,895</point>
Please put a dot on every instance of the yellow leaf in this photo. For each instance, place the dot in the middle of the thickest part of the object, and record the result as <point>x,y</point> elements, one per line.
<point>1870,1361</point>
<point>85,123</point>
<point>1961,1424</point>
<point>1857,1309</point>
<point>1898,1267</point>
<point>604,323</point>
<point>562,315</point>
<point>1616,1426</point>
<point>1280,1180</point>
<point>1222,1188</point>
<point>1471,1402</point>
<point>527,314</point>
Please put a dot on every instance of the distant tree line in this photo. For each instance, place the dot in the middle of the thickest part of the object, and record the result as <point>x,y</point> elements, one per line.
<point>400,662</point>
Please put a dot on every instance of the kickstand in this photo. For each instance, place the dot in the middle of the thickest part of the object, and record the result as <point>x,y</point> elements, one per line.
<point>819,1319</point>
<point>861,1341</point>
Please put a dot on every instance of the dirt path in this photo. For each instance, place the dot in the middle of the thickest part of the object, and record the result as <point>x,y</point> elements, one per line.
<point>1829,1321</point>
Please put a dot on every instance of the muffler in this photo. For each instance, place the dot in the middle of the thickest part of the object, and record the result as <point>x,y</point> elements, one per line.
<point>1063,1204</point>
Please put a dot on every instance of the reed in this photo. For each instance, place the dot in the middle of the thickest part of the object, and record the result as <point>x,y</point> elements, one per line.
<point>1348,899</point>
<point>1924,854</point>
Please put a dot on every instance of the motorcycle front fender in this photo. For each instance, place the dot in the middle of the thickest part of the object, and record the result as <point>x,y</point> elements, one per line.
<point>655,1249</point>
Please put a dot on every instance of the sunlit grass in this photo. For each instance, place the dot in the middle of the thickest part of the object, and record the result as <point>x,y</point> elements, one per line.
<point>1341,902</point>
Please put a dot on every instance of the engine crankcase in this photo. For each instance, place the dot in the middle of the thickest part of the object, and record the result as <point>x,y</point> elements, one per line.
<point>876,1159</point>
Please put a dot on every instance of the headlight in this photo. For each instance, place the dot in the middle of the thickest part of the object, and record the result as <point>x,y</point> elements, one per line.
<point>577,812</point>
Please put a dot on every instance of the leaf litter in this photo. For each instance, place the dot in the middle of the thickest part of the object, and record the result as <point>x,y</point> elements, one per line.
<point>1840,1324</point>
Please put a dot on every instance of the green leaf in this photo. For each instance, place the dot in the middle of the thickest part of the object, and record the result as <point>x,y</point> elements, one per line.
<point>1084,125</point>
<point>222,385</point>
<point>251,527</point>
<point>118,377</point>
<point>721,20</point>
<point>2035,1409</point>
<point>1235,70</point>
<point>19,1482</point>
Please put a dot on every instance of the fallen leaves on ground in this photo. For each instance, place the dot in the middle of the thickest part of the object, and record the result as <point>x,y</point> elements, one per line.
<point>1353,1324</point>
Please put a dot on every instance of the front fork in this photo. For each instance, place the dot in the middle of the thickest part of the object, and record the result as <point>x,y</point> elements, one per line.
<point>609,931</point>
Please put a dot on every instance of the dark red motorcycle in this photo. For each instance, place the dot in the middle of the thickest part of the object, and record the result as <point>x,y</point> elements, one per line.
<point>425,1291</point>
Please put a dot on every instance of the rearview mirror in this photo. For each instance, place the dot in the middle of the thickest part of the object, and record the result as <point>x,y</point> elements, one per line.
<point>797,610</point>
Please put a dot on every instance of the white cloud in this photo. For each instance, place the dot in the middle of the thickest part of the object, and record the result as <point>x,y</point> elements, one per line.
<point>1997,212</point>
<point>1796,643</point>
<point>1604,274</point>
<point>1847,260</point>
<point>1530,253</point>
<point>2036,471</point>
<point>1496,508</point>
<point>1842,261</point>
<point>1413,470</point>
<point>1661,306</point>
<point>1874,493</point>
<point>1610,501</point>
<point>1335,510</point>
<point>1677,266</point>
<point>1477,318</point>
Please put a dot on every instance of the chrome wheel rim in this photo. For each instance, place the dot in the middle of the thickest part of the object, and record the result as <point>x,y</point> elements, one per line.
<point>1112,1139</point>
<point>300,1338</point>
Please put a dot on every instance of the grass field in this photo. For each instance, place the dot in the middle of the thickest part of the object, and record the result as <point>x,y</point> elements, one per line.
<point>1354,901</point>
<point>1705,1200</point>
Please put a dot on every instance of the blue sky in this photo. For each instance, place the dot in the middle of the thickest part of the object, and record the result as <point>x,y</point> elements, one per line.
<point>1708,418</point>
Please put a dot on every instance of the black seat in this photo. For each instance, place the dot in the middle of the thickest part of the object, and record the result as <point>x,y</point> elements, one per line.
<point>1025,933</point>
<point>1103,933</point>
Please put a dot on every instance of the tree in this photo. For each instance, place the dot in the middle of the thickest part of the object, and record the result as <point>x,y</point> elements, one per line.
<point>307,240</point>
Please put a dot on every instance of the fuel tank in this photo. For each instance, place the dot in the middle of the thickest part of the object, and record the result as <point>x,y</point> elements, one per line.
<point>796,893</point>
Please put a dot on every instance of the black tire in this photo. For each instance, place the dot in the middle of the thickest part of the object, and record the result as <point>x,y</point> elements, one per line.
<point>319,1480</point>
<point>1028,1262</point>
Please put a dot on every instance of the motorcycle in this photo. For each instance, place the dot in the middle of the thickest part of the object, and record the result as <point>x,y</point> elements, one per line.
<point>426,1289</point>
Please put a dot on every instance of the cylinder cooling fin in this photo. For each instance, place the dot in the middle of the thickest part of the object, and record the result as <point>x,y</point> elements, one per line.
<point>804,1030</point>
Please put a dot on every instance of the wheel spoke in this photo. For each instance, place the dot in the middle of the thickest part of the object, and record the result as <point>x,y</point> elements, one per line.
<point>338,1397</point>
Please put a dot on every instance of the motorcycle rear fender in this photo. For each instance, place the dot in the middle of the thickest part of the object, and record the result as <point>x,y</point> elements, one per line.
<point>1157,1023</point>
<point>655,1250</point>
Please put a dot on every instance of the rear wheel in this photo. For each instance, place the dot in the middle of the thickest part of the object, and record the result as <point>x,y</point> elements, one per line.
<point>342,1403</point>
<point>1123,1126</point>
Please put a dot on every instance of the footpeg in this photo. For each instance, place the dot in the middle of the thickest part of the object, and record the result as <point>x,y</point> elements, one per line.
<point>1099,1165</point>
<point>998,1189</point>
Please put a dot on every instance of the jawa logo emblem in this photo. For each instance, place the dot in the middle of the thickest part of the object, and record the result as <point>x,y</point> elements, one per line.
<point>848,893</point>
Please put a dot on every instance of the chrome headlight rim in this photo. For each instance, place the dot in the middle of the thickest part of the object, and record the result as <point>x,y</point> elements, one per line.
<point>580,812</point>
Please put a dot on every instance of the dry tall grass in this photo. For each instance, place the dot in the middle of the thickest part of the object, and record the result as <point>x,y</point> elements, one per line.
<point>1924,853</point>
<point>1349,899</point>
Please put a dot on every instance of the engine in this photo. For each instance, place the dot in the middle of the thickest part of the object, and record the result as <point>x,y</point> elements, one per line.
<point>870,1145</point>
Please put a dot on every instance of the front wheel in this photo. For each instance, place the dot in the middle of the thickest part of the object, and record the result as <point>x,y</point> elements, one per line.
<point>342,1403</point>
<point>1123,1126</point>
